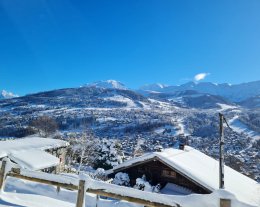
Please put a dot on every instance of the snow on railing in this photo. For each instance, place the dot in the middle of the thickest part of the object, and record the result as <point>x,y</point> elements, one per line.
<point>84,184</point>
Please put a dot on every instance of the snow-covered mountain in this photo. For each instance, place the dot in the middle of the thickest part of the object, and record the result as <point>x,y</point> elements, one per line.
<point>236,93</point>
<point>153,87</point>
<point>156,117</point>
<point>252,102</point>
<point>107,84</point>
<point>5,94</point>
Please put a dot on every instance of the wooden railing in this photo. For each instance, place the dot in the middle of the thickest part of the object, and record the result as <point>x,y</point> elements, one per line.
<point>104,191</point>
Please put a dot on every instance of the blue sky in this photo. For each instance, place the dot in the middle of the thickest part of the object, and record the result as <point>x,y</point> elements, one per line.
<point>60,43</point>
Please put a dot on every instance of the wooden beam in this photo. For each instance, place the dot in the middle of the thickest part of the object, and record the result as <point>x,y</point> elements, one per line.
<point>132,165</point>
<point>101,192</point>
<point>225,203</point>
<point>81,194</point>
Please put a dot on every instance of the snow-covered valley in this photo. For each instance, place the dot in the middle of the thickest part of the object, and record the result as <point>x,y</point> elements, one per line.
<point>160,119</point>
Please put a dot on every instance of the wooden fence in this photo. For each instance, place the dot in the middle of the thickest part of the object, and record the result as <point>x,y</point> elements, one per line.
<point>15,172</point>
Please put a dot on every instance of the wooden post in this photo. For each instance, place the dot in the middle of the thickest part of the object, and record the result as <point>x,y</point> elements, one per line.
<point>225,203</point>
<point>221,152</point>
<point>2,175</point>
<point>58,189</point>
<point>81,194</point>
<point>97,200</point>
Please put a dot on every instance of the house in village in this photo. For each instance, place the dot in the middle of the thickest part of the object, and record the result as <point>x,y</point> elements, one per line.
<point>35,153</point>
<point>185,171</point>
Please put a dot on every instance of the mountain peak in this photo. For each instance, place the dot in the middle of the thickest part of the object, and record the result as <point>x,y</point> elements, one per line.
<point>107,84</point>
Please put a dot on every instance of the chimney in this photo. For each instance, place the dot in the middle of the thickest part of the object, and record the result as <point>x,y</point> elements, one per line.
<point>181,146</point>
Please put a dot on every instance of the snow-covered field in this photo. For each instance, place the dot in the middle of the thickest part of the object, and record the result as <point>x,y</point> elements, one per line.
<point>239,127</point>
<point>122,99</point>
<point>225,107</point>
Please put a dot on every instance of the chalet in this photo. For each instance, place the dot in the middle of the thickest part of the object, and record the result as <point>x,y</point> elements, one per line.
<point>35,153</point>
<point>185,171</point>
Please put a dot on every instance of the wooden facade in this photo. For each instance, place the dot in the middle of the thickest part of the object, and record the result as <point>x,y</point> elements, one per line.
<point>156,171</point>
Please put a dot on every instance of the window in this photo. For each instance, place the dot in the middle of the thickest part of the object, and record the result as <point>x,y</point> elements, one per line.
<point>169,173</point>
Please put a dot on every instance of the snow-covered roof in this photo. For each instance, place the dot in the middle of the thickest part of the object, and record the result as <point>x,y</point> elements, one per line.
<point>34,159</point>
<point>29,143</point>
<point>203,170</point>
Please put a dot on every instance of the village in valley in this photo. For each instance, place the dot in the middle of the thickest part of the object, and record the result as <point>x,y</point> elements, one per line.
<point>129,103</point>
<point>120,148</point>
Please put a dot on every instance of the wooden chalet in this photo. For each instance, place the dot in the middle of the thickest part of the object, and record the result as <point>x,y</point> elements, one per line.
<point>157,170</point>
<point>188,169</point>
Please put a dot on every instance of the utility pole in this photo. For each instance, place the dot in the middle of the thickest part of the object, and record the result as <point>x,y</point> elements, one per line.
<point>221,151</point>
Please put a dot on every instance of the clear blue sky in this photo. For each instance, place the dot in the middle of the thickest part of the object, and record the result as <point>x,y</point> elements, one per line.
<point>60,43</point>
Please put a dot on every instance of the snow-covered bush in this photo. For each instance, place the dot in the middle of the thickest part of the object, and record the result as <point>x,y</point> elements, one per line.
<point>157,188</point>
<point>100,174</point>
<point>121,179</point>
<point>109,154</point>
<point>144,185</point>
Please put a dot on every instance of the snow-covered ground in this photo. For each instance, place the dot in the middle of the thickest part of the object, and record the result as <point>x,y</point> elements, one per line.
<point>225,107</point>
<point>20,193</point>
<point>239,127</point>
<point>167,129</point>
<point>122,99</point>
<point>180,129</point>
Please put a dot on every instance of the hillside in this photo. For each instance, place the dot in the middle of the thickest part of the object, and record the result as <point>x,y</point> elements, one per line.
<point>158,118</point>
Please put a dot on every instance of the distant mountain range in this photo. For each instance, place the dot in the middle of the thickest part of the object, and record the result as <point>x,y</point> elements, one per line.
<point>195,94</point>
<point>191,94</point>
<point>236,93</point>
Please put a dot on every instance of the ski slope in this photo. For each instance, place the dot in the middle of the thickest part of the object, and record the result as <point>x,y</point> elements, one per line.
<point>239,127</point>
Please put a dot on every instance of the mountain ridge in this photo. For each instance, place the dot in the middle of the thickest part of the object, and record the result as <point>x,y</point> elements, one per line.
<point>236,93</point>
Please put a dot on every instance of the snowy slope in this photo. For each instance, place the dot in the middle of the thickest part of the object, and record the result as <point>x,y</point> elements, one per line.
<point>239,127</point>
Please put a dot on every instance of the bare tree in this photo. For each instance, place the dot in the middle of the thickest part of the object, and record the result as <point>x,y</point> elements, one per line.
<point>44,125</point>
<point>88,144</point>
<point>138,151</point>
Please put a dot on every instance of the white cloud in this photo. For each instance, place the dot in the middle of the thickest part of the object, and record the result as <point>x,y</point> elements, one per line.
<point>200,76</point>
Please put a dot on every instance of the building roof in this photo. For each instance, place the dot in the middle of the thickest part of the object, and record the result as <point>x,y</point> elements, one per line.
<point>34,159</point>
<point>12,146</point>
<point>202,169</point>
